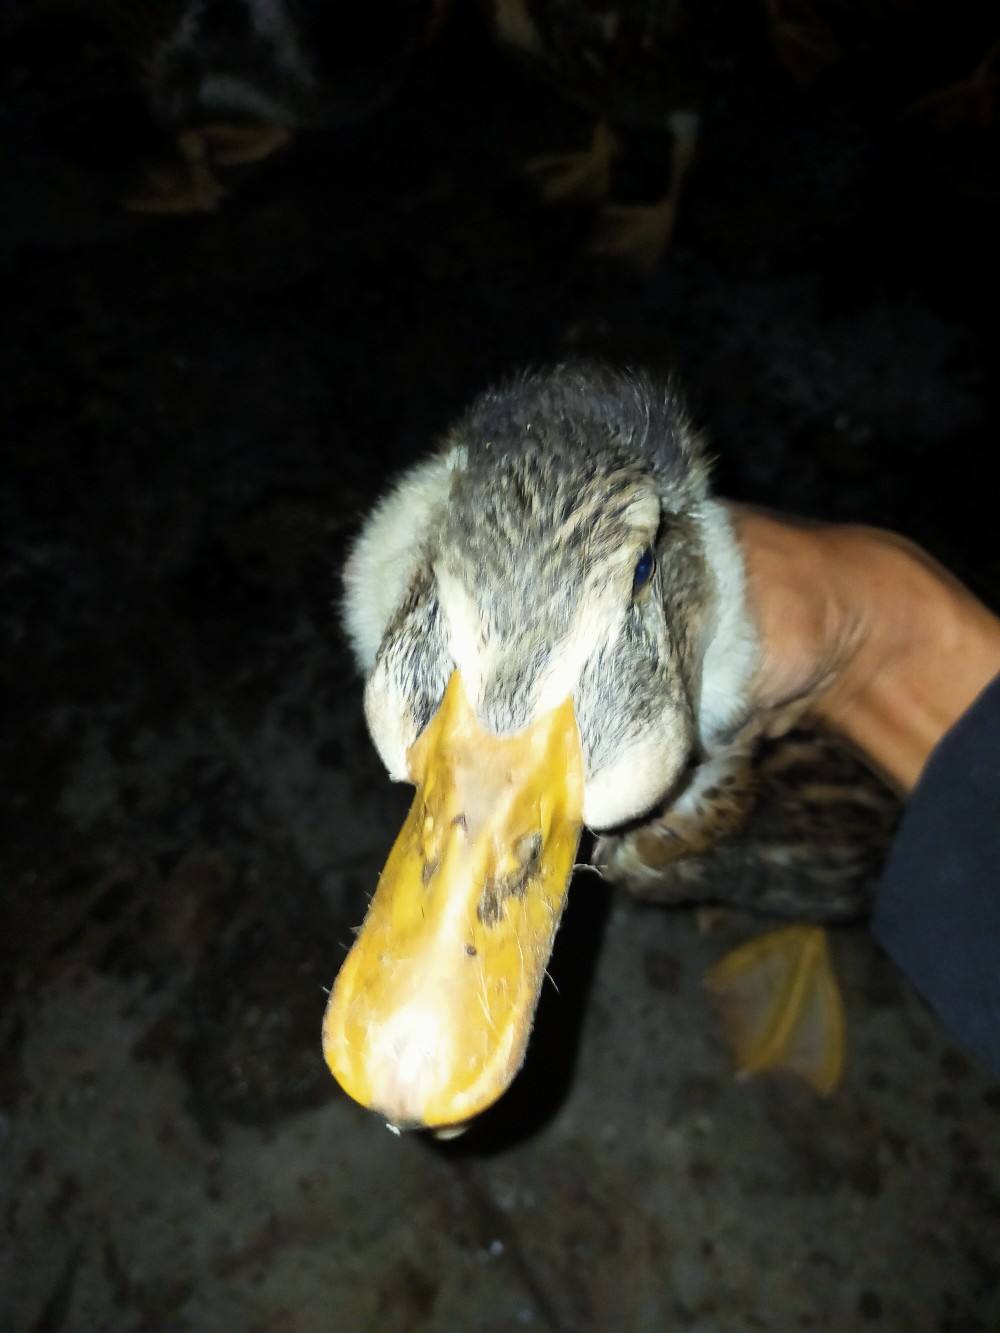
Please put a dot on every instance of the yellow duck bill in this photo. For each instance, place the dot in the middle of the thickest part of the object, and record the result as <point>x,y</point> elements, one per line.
<point>431,1012</point>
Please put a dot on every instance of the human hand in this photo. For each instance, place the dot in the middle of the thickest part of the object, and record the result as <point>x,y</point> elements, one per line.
<point>863,633</point>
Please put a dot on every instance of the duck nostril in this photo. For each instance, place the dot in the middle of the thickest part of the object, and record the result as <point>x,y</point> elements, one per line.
<point>430,846</point>
<point>527,853</point>
<point>521,865</point>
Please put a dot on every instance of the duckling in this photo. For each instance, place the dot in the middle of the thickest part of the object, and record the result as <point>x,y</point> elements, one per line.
<point>232,80</point>
<point>551,620</point>
<point>639,68</point>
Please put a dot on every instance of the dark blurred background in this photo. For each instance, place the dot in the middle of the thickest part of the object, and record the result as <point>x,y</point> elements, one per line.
<point>196,412</point>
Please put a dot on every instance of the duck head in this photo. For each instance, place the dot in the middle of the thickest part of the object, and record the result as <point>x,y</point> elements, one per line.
<point>549,616</point>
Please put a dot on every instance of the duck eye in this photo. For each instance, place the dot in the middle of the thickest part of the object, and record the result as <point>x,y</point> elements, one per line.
<point>644,568</point>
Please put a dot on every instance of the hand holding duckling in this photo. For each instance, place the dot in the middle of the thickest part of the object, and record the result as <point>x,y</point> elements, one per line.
<point>866,633</point>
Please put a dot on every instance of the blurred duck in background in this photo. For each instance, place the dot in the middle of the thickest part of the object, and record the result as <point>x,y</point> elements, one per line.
<point>232,80</point>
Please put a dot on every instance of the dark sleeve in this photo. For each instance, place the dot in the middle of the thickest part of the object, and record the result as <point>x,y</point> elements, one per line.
<point>937,912</point>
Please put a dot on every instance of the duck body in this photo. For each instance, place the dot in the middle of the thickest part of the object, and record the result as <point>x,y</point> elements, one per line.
<point>231,80</point>
<point>631,62</point>
<point>550,615</point>
<point>643,69</point>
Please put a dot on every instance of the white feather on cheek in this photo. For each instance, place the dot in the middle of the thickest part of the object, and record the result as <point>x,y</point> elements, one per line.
<point>637,780</point>
<point>390,723</point>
